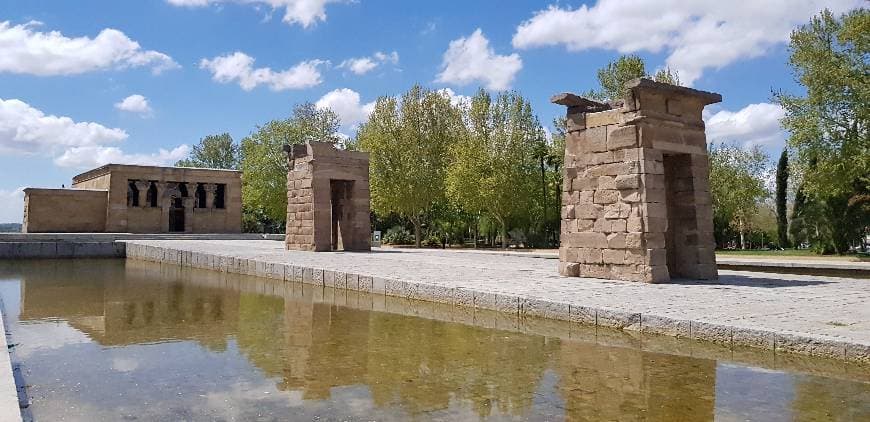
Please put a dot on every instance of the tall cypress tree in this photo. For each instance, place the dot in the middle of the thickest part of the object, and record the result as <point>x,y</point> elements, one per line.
<point>781,198</point>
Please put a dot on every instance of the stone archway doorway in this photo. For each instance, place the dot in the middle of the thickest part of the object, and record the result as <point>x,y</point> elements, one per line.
<point>176,215</point>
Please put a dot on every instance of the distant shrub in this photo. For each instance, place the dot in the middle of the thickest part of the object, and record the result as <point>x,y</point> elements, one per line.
<point>397,235</point>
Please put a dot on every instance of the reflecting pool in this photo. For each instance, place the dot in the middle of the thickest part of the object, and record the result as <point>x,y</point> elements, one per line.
<point>116,340</point>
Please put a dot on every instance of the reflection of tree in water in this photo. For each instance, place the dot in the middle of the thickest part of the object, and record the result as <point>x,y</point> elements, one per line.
<point>411,363</point>
<point>826,399</point>
<point>423,365</point>
<point>417,364</point>
<point>259,327</point>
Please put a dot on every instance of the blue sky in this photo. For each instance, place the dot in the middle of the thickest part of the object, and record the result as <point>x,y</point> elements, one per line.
<point>87,82</point>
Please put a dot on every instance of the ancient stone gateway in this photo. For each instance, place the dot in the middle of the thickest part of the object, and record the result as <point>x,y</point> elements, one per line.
<point>636,199</point>
<point>327,198</point>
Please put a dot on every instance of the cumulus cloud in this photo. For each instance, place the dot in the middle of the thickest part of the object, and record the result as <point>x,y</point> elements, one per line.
<point>302,12</point>
<point>363,65</point>
<point>135,104</point>
<point>755,124</point>
<point>12,205</point>
<point>347,104</point>
<point>239,67</point>
<point>95,156</point>
<point>696,34</point>
<point>25,129</point>
<point>26,50</point>
<point>471,59</point>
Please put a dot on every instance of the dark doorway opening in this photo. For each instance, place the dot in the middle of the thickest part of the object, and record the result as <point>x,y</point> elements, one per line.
<point>176,215</point>
<point>132,194</point>
<point>681,219</point>
<point>151,195</point>
<point>200,195</point>
<point>340,200</point>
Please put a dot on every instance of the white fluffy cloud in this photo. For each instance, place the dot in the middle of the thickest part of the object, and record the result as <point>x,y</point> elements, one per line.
<point>239,67</point>
<point>696,34</point>
<point>755,124</point>
<point>303,12</point>
<point>25,129</point>
<point>471,59</point>
<point>363,65</point>
<point>346,103</point>
<point>24,49</point>
<point>95,156</point>
<point>12,205</point>
<point>135,104</point>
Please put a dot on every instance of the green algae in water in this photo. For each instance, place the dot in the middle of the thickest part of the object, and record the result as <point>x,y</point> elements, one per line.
<point>116,340</point>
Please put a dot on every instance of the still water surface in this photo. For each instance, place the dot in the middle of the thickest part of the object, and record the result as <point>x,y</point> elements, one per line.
<point>109,340</point>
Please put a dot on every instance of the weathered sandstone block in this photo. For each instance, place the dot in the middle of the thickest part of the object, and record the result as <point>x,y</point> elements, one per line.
<point>636,201</point>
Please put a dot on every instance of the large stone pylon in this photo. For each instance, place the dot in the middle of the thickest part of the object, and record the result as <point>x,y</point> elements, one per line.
<point>636,193</point>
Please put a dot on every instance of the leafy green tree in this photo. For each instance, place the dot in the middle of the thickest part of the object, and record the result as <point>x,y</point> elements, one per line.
<point>798,228</point>
<point>409,141</point>
<point>736,185</point>
<point>782,199</point>
<point>667,76</point>
<point>264,162</point>
<point>213,151</point>
<point>494,169</point>
<point>829,125</point>
<point>612,78</point>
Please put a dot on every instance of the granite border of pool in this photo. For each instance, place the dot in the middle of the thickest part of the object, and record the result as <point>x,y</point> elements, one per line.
<point>9,407</point>
<point>722,334</point>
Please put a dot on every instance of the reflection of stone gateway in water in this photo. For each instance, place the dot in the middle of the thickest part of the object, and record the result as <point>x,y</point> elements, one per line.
<point>330,338</point>
<point>636,199</point>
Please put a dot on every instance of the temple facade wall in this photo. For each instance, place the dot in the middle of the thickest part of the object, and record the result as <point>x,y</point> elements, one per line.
<point>64,210</point>
<point>147,199</point>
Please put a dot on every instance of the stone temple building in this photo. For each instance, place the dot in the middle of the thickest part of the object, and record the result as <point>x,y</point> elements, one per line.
<point>636,199</point>
<point>118,198</point>
<point>328,201</point>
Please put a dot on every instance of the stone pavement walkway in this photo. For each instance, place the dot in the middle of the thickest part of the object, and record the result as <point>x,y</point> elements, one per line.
<point>822,316</point>
<point>764,261</point>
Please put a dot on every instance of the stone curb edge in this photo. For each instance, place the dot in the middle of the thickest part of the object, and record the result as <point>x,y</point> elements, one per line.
<point>9,406</point>
<point>727,335</point>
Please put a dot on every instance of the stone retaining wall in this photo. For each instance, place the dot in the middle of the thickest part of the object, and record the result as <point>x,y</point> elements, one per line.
<point>61,249</point>
<point>729,336</point>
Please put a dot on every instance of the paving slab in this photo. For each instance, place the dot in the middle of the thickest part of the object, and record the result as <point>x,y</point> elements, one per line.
<point>813,315</point>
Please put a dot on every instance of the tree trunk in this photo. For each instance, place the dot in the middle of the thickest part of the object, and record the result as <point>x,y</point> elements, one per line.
<point>742,240</point>
<point>546,225</point>
<point>504,241</point>
<point>417,225</point>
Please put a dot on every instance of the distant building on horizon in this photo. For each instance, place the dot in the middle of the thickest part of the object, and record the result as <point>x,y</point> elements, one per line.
<point>120,198</point>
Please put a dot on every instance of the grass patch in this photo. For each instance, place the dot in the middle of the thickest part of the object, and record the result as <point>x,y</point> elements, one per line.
<point>791,253</point>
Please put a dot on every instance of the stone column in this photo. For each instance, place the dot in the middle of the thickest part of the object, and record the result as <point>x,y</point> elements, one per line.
<point>188,204</point>
<point>142,186</point>
<point>210,189</point>
<point>163,204</point>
